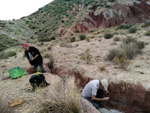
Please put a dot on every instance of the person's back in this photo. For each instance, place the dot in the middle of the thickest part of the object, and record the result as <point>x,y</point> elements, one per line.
<point>94,92</point>
<point>90,89</point>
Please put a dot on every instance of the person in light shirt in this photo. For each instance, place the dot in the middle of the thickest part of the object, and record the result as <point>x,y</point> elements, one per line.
<point>94,92</point>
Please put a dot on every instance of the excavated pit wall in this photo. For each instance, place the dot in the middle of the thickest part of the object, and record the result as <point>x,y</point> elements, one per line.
<point>124,97</point>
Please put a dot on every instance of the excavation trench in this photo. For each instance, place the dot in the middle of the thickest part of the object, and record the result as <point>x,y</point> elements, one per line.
<point>124,97</point>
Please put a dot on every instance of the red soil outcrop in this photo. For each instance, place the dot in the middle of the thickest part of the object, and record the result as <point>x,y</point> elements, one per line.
<point>129,98</point>
<point>124,97</point>
<point>116,15</point>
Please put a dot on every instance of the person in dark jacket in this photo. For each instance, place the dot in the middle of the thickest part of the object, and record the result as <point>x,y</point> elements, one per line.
<point>38,80</point>
<point>34,57</point>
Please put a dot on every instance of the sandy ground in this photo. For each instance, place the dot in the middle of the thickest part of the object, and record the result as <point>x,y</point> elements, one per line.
<point>69,58</point>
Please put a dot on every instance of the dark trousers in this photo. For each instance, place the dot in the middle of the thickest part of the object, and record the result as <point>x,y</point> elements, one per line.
<point>41,67</point>
<point>97,104</point>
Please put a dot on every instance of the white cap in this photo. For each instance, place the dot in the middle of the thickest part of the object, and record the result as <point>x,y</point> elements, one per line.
<point>104,82</point>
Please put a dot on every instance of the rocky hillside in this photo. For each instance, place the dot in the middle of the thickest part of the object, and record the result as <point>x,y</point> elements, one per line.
<point>86,40</point>
<point>69,17</point>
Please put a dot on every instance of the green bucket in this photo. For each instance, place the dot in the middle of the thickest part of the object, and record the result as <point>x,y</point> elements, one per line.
<point>16,72</point>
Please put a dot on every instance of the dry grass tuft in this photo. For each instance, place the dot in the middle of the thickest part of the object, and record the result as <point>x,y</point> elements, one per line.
<point>86,56</point>
<point>102,68</point>
<point>64,98</point>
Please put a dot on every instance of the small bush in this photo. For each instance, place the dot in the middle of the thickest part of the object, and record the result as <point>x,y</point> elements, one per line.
<point>124,27</point>
<point>77,31</point>
<point>49,47</point>
<point>102,68</point>
<point>129,40</point>
<point>88,39</point>
<point>108,35</point>
<point>51,62</point>
<point>112,53</point>
<point>121,60</point>
<point>147,33</point>
<point>132,30</point>
<point>146,24</point>
<point>82,36</point>
<point>116,39</point>
<point>6,42</point>
<point>73,39</point>
<point>128,50</point>
<point>140,45</point>
<point>7,54</point>
<point>86,56</point>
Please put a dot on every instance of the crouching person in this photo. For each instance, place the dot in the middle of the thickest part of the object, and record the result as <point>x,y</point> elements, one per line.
<point>94,92</point>
<point>38,80</point>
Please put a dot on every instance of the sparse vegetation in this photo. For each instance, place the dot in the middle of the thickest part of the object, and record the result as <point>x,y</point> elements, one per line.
<point>102,68</point>
<point>86,56</point>
<point>73,39</point>
<point>124,27</point>
<point>121,60</point>
<point>146,24</point>
<point>7,54</point>
<point>128,50</point>
<point>6,42</point>
<point>64,98</point>
<point>132,30</point>
<point>116,39</point>
<point>51,61</point>
<point>108,35</point>
<point>82,37</point>
<point>147,33</point>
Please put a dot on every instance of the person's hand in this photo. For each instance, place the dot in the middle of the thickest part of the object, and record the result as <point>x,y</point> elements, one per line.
<point>31,59</point>
<point>106,92</point>
<point>106,98</point>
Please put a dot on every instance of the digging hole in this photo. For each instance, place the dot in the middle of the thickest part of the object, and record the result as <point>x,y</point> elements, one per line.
<point>124,97</point>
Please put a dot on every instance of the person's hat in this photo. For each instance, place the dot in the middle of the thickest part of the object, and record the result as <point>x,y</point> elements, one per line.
<point>25,45</point>
<point>104,82</point>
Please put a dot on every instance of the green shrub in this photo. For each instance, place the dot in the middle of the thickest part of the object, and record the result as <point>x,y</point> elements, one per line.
<point>51,62</point>
<point>121,60</point>
<point>146,24</point>
<point>147,33</point>
<point>2,24</point>
<point>116,39</point>
<point>73,39</point>
<point>124,27</point>
<point>108,35</point>
<point>132,30</point>
<point>130,50</point>
<point>6,42</point>
<point>82,36</point>
<point>77,31</point>
<point>127,50</point>
<point>129,40</point>
<point>7,54</point>
<point>102,68</point>
<point>112,53</point>
<point>86,56</point>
